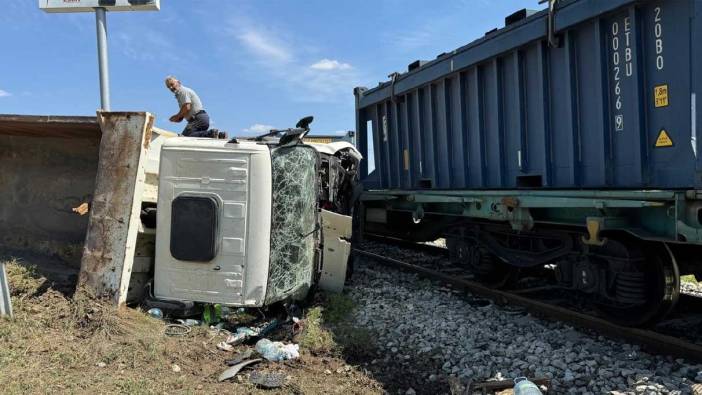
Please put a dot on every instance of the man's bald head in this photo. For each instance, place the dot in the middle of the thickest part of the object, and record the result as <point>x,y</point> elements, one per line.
<point>172,83</point>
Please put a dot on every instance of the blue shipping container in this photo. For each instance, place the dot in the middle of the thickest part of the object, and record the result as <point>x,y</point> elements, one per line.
<point>612,106</point>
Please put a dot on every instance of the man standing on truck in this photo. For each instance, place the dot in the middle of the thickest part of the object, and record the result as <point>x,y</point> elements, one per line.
<point>191,110</point>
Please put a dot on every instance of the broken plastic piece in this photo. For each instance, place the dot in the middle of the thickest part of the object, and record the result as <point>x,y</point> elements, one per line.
<point>224,346</point>
<point>232,371</point>
<point>239,357</point>
<point>242,333</point>
<point>522,386</point>
<point>267,380</point>
<point>82,209</point>
<point>277,351</point>
<point>189,322</point>
<point>212,314</point>
<point>503,385</point>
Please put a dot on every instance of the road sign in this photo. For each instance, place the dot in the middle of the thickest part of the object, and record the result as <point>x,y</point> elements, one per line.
<point>91,5</point>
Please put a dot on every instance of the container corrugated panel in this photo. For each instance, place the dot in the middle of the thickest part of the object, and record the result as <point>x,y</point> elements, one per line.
<point>612,106</point>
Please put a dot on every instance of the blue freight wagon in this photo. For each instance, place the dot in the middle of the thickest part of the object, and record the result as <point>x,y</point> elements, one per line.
<point>566,139</point>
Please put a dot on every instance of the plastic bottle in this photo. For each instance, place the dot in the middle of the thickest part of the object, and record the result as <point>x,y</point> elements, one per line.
<point>522,386</point>
<point>212,314</point>
<point>156,313</point>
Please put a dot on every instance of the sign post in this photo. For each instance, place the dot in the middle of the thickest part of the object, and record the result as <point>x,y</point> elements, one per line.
<point>101,26</point>
<point>5,303</point>
<point>100,7</point>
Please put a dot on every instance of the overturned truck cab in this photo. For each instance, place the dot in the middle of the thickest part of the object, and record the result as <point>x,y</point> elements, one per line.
<point>134,212</point>
<point>241,222</point>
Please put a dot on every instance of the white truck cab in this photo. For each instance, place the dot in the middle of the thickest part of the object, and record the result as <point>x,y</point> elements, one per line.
<point>239,222</point>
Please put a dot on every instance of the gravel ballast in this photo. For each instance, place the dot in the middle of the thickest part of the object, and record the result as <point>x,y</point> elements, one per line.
<point>433,335</point>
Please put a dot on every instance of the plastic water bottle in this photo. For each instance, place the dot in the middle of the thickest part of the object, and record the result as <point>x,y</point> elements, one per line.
<point>522,386</point>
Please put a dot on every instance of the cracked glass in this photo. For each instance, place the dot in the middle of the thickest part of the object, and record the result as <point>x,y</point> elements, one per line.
<point>294,229</point>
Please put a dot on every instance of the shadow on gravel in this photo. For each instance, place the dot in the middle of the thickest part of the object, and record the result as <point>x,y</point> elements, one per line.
<point>330,329</point>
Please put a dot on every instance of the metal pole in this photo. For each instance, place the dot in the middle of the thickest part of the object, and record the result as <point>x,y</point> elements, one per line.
<point>5,302</point>
<point>101,25</point>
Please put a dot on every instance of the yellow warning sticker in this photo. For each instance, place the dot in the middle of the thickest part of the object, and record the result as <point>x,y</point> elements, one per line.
<point>660,93</point>
<point>405,154</point>
<point>663,139</point>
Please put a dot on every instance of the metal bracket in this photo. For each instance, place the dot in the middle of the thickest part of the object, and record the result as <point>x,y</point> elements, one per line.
<point>394,77</point>
<point>418,214</point>
<point>688,233</point>
<point>553,41</point>
<point>594,226</point>
<point>520,219</point>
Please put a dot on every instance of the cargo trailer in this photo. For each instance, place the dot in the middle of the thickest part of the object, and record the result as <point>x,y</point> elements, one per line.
<point>566,140</point>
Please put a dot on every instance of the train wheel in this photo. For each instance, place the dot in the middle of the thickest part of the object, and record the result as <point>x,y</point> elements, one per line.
<point>658,283</point>
<point>487,268</point>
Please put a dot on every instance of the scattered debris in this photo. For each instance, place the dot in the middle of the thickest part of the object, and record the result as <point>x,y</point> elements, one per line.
<point>523,386</point>
<point>277,351</point>
<point>101,364</point>
<point>177,330</point>
<point>212,314</point>
<point>297,326</point>
<point>234,370</point>
<point>241,335</point>
<point>175,368</point>
<point>268,328</point>
<point>156,313</point>
<point>224,346</point>
<point>189,322</point>
<point>82,209</point>
<point>239,357</point>
<point>267,380</point>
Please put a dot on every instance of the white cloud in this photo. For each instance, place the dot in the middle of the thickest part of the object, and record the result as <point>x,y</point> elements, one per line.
<point>146,44</point>
<point>263,45</point>
<point>4,93</point>
<point>283,60</point>
<point>258,128</point>
<point>328,64</point>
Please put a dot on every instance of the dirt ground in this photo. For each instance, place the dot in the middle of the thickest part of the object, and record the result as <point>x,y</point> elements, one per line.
<point>59,342</point>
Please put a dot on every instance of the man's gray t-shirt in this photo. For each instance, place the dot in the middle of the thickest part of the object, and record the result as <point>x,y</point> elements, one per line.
<point>187,95</point>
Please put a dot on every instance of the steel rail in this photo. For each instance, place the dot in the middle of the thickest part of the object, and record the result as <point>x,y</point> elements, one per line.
<point>649,340</point>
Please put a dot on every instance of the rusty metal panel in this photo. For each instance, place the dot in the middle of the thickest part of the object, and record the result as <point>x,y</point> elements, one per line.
<point>5,303</point>
<point>110,243</point>
<point>47,168</point>
<point>49,126</point>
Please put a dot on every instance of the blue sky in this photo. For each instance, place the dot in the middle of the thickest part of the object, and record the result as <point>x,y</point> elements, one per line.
<point>255,64</point>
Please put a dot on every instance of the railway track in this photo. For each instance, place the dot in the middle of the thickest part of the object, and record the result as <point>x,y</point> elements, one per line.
<point>649,340</point>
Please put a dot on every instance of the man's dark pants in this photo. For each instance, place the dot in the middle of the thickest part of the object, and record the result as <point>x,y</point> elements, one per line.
<point>198,126</point>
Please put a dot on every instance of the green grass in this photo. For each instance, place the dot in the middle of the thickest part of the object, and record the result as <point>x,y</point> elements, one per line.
<point>338,308</point>
<point>314,337</point>
<point>688,279</point>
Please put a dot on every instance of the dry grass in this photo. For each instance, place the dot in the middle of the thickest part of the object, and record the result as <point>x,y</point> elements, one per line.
<point>57,344</point>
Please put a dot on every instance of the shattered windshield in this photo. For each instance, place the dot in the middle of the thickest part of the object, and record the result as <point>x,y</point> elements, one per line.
<point>293,222</point>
